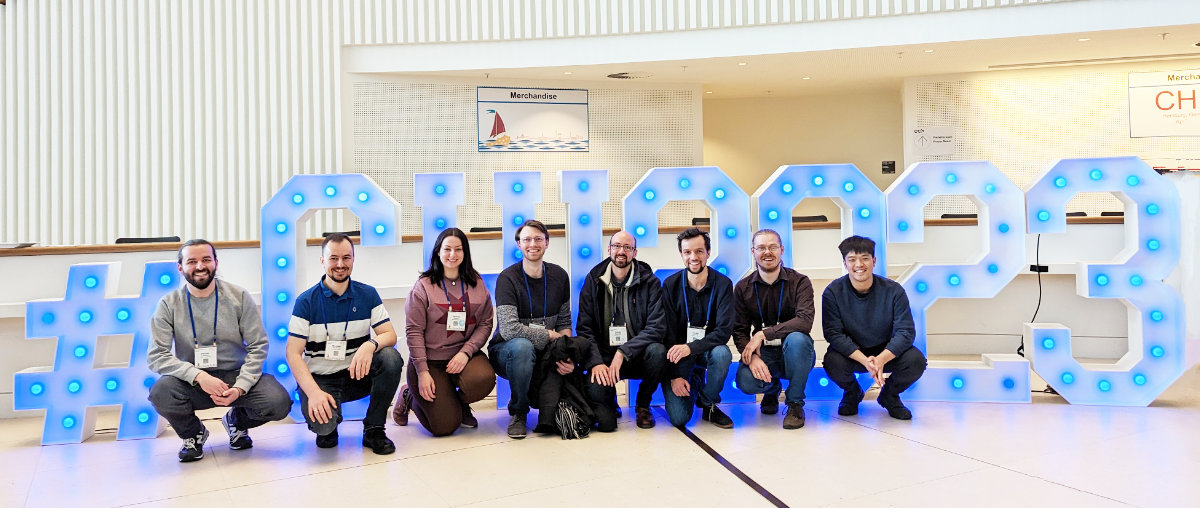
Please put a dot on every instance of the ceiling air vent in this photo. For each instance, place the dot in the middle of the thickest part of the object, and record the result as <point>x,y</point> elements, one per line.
<point>630,75</point>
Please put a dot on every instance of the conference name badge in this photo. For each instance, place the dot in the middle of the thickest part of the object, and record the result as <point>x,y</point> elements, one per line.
<point>335,350</point>
<point>206,357</point>
<point>456,321</point>
<point>617,335</point>
<point>694,334</point>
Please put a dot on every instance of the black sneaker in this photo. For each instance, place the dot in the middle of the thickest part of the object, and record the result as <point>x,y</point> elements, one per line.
<point>376,439</point>
<point>329,440</point>
<point>849,404</point>
<point>770,404</point>
<point>716,416</point>
<point>468,420</point>
<point>516,427</point>
<point>239,439</point>
<point>894,407</point>
<point>794,418</point>
<point>193,447</point>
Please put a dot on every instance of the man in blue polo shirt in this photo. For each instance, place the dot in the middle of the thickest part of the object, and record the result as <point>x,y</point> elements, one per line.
<point>333,356</point>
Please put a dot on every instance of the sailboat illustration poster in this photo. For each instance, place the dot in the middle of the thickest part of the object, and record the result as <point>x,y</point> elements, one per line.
<point>532,119</point>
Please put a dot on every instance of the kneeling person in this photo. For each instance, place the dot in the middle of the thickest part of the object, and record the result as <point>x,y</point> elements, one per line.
<point>333,356</point>
<point>220,348</point>
<point>869,326</point>
<point>699,305</point>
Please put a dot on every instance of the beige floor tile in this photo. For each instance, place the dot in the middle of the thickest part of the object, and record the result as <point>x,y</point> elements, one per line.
<point>991,487</point>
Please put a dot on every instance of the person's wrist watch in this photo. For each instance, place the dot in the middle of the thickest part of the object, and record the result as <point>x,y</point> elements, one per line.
<point>373,341</point>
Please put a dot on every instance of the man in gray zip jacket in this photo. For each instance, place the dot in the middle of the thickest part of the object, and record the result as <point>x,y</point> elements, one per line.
<point>219,350</point>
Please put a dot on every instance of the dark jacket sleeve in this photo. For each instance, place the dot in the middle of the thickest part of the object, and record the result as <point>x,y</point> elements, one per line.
<point>831,323</point>
<point>903,330</point>
<point>802,292</point>
<point>589,324</point>
<point>744,315</point>
<point>655,327</point>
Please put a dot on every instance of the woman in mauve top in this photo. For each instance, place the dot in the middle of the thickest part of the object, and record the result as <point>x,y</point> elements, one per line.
<point>448,317</point>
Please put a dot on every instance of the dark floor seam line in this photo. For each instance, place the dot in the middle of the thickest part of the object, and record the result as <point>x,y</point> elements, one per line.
<point>762,491</point>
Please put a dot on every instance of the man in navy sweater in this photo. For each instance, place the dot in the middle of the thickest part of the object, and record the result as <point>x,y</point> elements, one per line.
<point>869,327</point>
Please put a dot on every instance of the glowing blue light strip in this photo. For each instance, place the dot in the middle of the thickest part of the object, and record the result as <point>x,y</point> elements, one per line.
<point>439,195</point>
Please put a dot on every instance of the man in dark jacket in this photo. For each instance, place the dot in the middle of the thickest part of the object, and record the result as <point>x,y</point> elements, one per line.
<point>621,313</point>
<point>699,305</point>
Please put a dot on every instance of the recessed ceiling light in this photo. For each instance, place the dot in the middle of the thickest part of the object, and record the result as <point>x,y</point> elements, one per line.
<point>568,73</point>
<point>929,51</point>
<point>708,91</point>
<point>1084,39</point>
<point>806,78</point>
<point>741,64</point>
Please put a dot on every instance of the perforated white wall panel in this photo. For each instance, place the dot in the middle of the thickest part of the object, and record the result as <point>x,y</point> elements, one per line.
<point>401,128</point>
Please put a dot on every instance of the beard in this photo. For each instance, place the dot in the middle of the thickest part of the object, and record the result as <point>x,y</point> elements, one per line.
<point>696,272</point>
<point>617,261</point>
<point>337,280</point>
<point>202,281</point>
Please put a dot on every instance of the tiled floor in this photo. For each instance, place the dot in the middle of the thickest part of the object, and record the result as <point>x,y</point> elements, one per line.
<point>1043,454</point>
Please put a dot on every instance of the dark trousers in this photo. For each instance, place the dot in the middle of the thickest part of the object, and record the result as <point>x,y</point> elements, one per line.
<point>177,401</point>
<point>380,384</point>
<point>905,370</point>
<point>650,366</point>
<point>444,414</point>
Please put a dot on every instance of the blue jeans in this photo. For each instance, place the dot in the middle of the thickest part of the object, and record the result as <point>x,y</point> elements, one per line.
<point>792,361</point>
<point>513,360</point>
<point>707,377</point>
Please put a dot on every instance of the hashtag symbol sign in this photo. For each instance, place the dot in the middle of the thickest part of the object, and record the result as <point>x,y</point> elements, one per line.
<point>74,387</point>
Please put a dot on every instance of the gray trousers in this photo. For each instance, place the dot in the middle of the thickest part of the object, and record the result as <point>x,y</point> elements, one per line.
<point>177,401</point>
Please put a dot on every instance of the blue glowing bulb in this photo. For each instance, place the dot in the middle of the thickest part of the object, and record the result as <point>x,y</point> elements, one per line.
<point>1156,315</point>
<point>516,254</point>
<point>80,351</point>
<point>282,368</point>
<point>363,197</point>
<point>85,317</point>
<point>848,186</point>
<point>723,269</point>
<point>68,422</point>
<point>1095,174</point>
<point>297,198</point>
<point>1043,216</point>
<point>110,385</point>
<point>640,231</point>
<point>954,280</point>
<point>74,386</point>
<point>1048,343</point>
<point>902,226</point>
<point>993,268</point>
<point>1104,386</point>
<point>957,383</point>
<point>951,178</point>
<point>123,315</point>
<point>922,287</point>
<point>37,388</point>
<point>823,381</point>
<point>164,280</point>
<point>439,189</point>
<point>379,229</point>
<point>1157,352</point>
<point>585,252</point>
<point>685,183</point>
<point>518,220</point>
<point>730,232</point>
<point>143,417</point>
<point>773,215</point>
<point>1101,280</point>
<point>864,213</point>
<point>1152,209</point>
<point>518,188</point>
<point>990,189</point>
<point>48,317</point>
<point>281,262</point>
<point>818,181</point>
<point>440,223</point>
<point>1009,384</point>
<point>1132,181</point>
<point>90,282</point>
<point>913,190</point>
<point>787,188</point>
<point>281,297</point>
<point>1152,244</point>
<point>1068,378</point>
<point>148,382</point>
<point>330,191</point>
<point>584,219</point>
<point>1135,280</point>
<point>281,228</point>
<point>649,195</point>
<point>281,332</point>
<point>583,185</point>
<point>1139,379</point>
<point>719,194</point>
<point>1060,182</point>
<point>1003,227</point>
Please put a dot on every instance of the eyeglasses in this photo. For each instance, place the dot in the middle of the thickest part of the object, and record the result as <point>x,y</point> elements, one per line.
<point>626,248</point>
<point>774,248</point>
<point>533,240</point>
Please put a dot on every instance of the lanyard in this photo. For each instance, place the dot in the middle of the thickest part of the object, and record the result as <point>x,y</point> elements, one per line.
<point>192,318</point>
<point>708,309</point>
<point>346,327</point>
<point>462,298</point>
<point>779,315</point>
<point>545,291</point>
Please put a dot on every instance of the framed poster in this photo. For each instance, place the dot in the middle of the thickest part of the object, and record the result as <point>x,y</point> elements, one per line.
<point>532,119</point>
<point>1164,103</point>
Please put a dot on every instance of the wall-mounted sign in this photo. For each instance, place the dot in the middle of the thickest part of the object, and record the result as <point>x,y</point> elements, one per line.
<point>1164,103</point>
<point>937,140</point>
<point>532,119</point>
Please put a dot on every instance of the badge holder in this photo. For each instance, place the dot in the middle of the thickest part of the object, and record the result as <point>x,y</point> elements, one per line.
<point>206,357</point>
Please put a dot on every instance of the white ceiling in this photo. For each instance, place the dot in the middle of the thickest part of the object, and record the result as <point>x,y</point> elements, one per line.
<point>879,68</point>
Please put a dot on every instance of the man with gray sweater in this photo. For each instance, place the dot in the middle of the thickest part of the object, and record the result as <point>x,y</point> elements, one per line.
<point>219,349</point>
